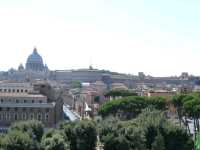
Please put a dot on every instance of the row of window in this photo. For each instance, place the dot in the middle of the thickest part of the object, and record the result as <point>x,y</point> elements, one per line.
<point>19,101</point>
<point>47,110</point>
<point>24,116</point>
<point>14,90</point>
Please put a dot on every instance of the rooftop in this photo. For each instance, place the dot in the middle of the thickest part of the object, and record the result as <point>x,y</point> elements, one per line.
<point>27,105</point>
<point>21,95</point>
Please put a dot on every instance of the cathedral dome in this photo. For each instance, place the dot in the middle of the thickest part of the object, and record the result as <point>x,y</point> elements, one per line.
<point>35,62</point>
<point>35,57</point>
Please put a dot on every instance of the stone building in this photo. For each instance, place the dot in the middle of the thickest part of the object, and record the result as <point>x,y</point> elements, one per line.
<point>19,101</point>
<point>168,95</point>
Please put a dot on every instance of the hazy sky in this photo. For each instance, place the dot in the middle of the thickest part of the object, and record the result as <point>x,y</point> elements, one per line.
<point>158,37</point>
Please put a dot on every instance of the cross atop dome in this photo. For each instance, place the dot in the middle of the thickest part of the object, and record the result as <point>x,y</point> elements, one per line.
<point>35,50</point>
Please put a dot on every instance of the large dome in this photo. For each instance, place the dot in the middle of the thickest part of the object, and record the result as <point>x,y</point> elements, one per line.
<point>35,62</point>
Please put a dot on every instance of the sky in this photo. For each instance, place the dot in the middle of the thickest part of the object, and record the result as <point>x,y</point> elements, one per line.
<point>157,37</point>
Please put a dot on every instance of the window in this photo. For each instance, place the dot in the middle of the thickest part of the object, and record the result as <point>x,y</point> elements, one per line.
<point>5,90</point>
<point>17,101</point>
<point>17,90</point>
<point>13,90</point>
<point>24,116</point>
<point>47,110</point>
<point>32,101</point>
<point>39,117</point>
<point>4,116</point>
<point>8,116</point>
<point>26,91</point>
<point>1,100</point>
<point>0,90</point>
<point>40,101</point>
<point>31,116</point>
<point>25,101</point>
<point>0,117</point>
<point>16,116</point>
<point>46,117</point>
<point>9,90</point>
<point>22,90</point>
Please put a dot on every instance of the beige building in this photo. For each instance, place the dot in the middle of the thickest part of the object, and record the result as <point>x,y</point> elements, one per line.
<point>161,93</point>
<point>18,101</point>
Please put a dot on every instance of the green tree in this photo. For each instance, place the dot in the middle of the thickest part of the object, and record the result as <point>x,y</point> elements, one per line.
<point>1,141</point>
<point>175,137</point>
<point>178,101</point>
<point>33,127</point>
<point>17,140</point>
<point>116,143</point>
<point>54,140</point>
<point>116,134</point>
<point>159,143</point>
<point>67,129</point>
<point>82,135</point>
<point>76,84</point>
<point>122,93</point>
<point>130,107</point>
<point>86,135</point>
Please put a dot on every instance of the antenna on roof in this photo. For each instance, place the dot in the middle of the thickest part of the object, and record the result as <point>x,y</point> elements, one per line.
<point>90,66</point>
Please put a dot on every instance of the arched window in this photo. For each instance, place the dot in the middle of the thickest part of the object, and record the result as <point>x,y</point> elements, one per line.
<point>39,117</point>
<point>16,116</point>
<point>24,116</point>
<point>8,116</point>
<point>46,116</point>
<point>32,116</point>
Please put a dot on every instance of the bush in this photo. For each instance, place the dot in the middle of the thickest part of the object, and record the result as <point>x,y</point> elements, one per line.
<point>33,127</point>
<point>54,140</point>
<point>17,140</point>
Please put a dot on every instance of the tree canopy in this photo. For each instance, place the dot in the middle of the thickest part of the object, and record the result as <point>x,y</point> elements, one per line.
<point>130,107</point>
<point>122,93</point>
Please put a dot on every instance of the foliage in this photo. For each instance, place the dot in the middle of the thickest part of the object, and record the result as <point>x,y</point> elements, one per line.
<point>97,99</point>
<point>188,107</point>
<point>150,130</point>
<point>1,141</point>
<point>81,135</point>
<point>116,143</point>
<point>34,128</point>
<point>17,140</point>
<point>122,93</point>
<point>197,142</point>
<point>130,107</point>
<point>76,84</point>
<point>158,143</point>
<point>86,135</point>
<point>117,135</point>
<point>67,129</point>
<point>157,127</point>
<point>54,140</point>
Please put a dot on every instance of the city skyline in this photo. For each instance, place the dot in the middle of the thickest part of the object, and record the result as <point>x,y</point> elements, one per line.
<point>128,37</point>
